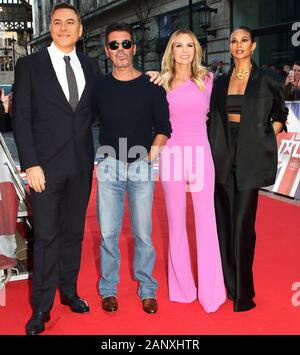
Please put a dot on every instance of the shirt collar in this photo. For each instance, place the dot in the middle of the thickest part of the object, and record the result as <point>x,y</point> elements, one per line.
<point>60,54</point>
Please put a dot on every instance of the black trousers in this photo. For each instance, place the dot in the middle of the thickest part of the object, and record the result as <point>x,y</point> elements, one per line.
<point>58,220</point>
<point>236,214</point>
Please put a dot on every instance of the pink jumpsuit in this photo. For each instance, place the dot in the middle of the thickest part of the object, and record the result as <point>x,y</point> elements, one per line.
<point>187,159</point>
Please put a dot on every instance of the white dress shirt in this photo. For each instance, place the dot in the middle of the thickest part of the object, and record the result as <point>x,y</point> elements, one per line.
<point>59,65</point>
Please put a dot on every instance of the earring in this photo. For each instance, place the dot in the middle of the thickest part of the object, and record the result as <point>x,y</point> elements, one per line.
<point>231,56</point>
<point>252,52</point>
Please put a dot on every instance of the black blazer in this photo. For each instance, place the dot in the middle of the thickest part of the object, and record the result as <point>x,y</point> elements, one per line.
<point>47,131</point>
<point>257,147</point>
<point>2,111</point>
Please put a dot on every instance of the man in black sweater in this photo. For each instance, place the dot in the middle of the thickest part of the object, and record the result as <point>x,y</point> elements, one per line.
<point>134,126</point>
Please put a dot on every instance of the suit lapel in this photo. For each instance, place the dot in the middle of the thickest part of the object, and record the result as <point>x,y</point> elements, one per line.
<point>49,77</point>
<point>252,87</point>
<point>224,84</point>
<point>85,69</point>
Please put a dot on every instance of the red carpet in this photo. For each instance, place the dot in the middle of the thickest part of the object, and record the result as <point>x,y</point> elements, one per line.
<point>276,269</point>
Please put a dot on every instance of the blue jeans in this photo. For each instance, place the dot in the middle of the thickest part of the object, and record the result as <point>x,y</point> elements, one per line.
<point>115,178</point>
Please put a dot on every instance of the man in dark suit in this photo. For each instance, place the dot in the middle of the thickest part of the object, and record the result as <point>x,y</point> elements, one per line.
<point>52,118</point>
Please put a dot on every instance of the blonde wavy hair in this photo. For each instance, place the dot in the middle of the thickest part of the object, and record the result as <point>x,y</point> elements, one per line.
<point>199,72</point>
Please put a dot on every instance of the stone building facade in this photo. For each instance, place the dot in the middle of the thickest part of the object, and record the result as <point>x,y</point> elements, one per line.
<point>274,23</point>
<point>153,22</point>
<point>15,36</point>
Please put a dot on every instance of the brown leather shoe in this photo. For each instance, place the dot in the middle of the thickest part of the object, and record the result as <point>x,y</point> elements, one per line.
<point>110,304</point>
<point>149,305</point>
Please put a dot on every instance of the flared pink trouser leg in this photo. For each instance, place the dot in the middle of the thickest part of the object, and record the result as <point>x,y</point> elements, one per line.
<point>210,290</point>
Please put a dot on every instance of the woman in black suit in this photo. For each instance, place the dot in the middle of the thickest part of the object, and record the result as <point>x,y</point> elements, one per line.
<point>247,112</point>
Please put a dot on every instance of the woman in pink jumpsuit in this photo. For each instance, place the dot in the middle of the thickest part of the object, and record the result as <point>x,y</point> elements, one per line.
<point>187,159</point>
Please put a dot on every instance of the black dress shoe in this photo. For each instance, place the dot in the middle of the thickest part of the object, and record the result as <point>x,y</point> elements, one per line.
<point>36,323</point>
<point>76,304</point>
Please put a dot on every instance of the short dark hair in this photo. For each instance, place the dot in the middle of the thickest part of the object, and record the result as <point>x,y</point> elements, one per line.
<point>65,5</point>
<point>297,62</point>
<point>247,29</point>
<point>120,27</point>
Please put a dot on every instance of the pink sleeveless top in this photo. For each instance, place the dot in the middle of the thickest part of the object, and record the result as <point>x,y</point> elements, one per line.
<point>188,107</point>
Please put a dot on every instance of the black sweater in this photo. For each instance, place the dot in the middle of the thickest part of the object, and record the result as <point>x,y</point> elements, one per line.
<point>136,110</point>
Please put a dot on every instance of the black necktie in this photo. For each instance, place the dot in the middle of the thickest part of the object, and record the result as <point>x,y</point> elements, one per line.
<point>73,89</point>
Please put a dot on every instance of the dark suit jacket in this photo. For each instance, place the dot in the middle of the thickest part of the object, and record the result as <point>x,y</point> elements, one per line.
<point>47,131</point>
<point>257,148</point>
<point>2,111</point>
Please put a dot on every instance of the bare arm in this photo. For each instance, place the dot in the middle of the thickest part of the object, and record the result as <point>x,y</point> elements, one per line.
<point>157,145</point>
